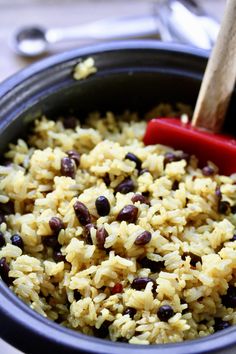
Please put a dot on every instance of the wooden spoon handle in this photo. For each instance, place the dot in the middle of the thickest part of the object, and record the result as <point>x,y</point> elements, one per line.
<point>219,79</point>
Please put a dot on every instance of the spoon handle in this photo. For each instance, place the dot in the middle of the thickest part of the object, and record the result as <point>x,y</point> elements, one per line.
<point>219,79</point>
<point>129,26</point>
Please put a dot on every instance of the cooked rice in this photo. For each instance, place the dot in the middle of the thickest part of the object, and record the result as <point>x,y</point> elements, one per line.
<point>84,69</point>
<point>183,221</point>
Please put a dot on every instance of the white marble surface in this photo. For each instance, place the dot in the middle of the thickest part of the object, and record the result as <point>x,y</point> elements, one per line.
<point>16,12</point>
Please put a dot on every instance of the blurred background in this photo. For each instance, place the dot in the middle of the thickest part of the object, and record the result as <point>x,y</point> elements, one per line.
<point>66,13</point>
<point>191,21</point>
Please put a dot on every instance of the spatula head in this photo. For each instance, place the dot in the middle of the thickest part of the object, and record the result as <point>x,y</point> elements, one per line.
<point>220,149</point>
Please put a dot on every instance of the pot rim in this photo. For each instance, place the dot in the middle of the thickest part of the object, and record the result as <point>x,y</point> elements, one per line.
<point>33,69</point>
<point>31,323</point>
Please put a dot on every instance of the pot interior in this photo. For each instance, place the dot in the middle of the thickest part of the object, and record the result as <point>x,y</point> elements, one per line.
<point>128,78</point>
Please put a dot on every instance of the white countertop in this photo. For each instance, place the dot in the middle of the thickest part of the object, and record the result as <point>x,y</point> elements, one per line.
<point>7,349</point>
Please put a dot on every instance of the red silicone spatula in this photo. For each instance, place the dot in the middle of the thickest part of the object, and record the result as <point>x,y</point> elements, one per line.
<point>199,137</point>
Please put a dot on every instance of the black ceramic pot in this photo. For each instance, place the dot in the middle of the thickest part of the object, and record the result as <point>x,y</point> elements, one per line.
<point>135,75</point>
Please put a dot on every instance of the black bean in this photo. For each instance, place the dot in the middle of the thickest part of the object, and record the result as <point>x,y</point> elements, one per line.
<point>4,271</point>
<point>130,311</point>
<point>77,295</point>
<point>220,324</point>
<point>171,157</point>
<point>135,159</point>
<point>74,155</point>
<point>102,206</point>
<point>233,238</point>
<point>218,193</point>
<point>82,213</point>
<point>126,186</point>
<point>67,167</point>
<point>223,207</point>
<point>2,240</point>
<point>56,224</point>
<point>117,289</point>
<point>154,266</point>
<point>175,185</point>
<point>194,258</point>
<point>70,122</point>
<point>16,240</point>
<point>165,312</point>
<point>103,331</point>
<point>140,198</point>
<point>87,233</point>
<point>208,171</point>
<point>107,180</point>
<point>129,213</point>
<point>2,218</point>
<point>233,209</point>
<point>140,283</point>
<point>58,256</point>
<point>101,236</point>
<point>143,238</point>
<point>7,208</point>
<point>229,300</point>
<point>51,241</point>
<point>144,170</point>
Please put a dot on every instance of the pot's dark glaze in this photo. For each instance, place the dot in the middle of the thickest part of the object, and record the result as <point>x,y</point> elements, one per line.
<point>135,75</point>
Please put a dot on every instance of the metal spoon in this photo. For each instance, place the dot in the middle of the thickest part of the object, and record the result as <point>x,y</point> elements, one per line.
<point>173,20</point>
<point>185,22</point>
<point>34,41</point>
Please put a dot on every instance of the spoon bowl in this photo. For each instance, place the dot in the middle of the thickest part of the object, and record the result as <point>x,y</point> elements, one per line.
<point>30,41</point>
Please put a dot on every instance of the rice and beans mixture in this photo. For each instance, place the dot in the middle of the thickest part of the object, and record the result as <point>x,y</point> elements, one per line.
<point>115,239</point>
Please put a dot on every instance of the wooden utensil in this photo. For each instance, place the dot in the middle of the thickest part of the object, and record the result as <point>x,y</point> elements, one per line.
<point>199,137</point>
